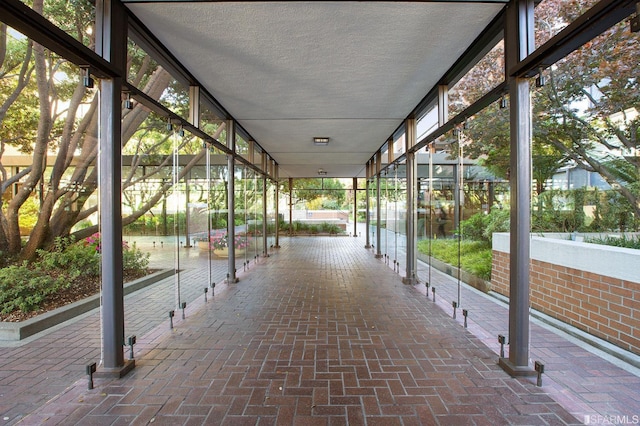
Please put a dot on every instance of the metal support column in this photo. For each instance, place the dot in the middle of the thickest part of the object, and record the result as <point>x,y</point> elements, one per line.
<point>412,181</point>
<point>378,207</point>
<point>519,42</point>
<point>355,207</point>
<point>111,44</point>
<point>367,244</point>
<point>277,201</point>
<point>265,247</point>
<point>231,213</point>
<point>290,206</point>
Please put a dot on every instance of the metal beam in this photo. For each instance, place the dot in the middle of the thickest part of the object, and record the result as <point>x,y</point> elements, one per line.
<point>592,23</point>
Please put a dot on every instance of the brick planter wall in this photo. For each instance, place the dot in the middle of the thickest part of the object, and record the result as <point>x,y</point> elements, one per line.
<point>594,288</point>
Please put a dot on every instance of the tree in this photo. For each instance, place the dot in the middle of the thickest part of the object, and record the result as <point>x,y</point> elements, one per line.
<point>48,115</point>
<point>587,114</point>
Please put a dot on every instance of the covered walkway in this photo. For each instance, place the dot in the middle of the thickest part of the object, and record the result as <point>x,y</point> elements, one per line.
<point>323,333</point>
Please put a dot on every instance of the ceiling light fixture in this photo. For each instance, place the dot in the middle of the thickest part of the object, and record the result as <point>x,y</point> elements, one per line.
<point>320,141</point>
<point>322,172</point>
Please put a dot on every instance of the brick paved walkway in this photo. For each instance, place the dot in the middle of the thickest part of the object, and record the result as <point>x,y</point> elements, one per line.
<point>319,333</point>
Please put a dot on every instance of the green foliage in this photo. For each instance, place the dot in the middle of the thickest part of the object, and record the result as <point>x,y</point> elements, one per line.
<point>26,286</point>
<point>73,260</point>
<point>475,256</point>
<point>310,228</point>
<point>621,241</point>
<point>480,226</point>
<point>134,259</point>
<point>23,288</point>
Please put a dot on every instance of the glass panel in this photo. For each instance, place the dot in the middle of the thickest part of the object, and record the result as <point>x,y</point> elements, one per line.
<point>242,209</point>
<point>551,17</point>
<point>148,76</point>
<point>211,124</point>
<point>487,74</point>
<point>242,146</point>
<point>428,122</point>
<point>76,18</point>
<point>48,180</point>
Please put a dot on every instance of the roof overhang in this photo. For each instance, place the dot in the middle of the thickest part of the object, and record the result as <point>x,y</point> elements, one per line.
<point>292,71</point>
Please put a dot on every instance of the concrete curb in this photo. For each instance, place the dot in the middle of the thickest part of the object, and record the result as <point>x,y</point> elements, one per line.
<point>16,331</point>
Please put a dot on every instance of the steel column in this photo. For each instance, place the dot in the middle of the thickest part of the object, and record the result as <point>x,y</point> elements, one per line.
<point>412,182</point>
<point>355,207</point>
<point>519,42</point>
<point>111,44</point>
<point>367,244</point>
<point>231,197</point>
<point>378,207</point>
<point>265,249</point>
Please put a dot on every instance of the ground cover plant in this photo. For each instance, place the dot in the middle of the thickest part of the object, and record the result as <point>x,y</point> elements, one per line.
<point>68,272</point>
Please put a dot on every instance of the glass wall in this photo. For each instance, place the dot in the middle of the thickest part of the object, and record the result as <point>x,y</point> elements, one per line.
<point>49,179</point>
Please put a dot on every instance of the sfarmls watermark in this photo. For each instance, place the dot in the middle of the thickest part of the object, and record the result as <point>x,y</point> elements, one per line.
<point>597,419</point>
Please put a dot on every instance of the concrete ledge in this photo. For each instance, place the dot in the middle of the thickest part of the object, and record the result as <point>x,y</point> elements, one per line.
<point>15,331</point>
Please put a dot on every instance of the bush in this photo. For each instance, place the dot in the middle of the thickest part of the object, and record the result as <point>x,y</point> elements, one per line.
<point>481,227</point>
<point>72,259</point>
<point>22,288</point>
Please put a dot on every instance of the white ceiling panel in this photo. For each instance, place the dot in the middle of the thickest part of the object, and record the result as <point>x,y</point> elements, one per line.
<point>289,71</point>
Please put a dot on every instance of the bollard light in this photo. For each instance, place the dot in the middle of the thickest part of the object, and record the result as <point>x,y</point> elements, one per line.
<point>91,368</point>
<point>131,340</point>
<point>539,367</point>
<point>465,313</point>
<point>213,288</point>
<point>171,315</point>
<point>455,307</point>
<point>206,290</point>
<point>433,290</point>
<point>501,340</point>
<point>183,306</point>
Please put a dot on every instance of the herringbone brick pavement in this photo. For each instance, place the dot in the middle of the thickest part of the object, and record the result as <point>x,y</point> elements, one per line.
<point>319,333</point>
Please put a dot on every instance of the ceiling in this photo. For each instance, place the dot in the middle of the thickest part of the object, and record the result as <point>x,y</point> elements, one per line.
<point>291,71</point>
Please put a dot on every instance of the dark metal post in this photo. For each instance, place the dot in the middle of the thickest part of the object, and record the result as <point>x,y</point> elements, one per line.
<point>378,207</point>
<point>519,42</point>
<point>111,44</point>
<point>355,207</point>
<point>231,214</point>
<point>412,180</point>
<point>265,247</point>
<point>367,219</point>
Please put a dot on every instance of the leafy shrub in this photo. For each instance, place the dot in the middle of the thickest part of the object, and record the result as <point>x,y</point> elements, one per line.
<point>25,289</point>
<point>481,227</point>
<point>73,259</point>
<point>133,259</point>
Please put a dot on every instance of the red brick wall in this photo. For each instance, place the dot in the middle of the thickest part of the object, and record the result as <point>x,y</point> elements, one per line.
<point>603,306</point>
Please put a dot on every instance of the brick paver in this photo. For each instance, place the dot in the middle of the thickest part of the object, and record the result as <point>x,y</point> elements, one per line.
<point>319,333</point>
